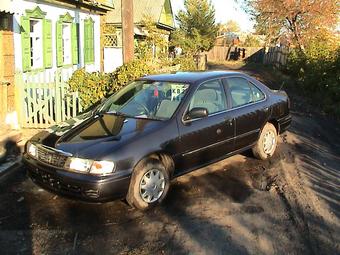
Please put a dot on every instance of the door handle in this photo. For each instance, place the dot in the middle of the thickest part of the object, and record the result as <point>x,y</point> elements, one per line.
<point>266,109</point>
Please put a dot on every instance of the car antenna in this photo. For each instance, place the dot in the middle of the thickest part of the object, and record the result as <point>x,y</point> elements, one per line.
<point>283,83</point>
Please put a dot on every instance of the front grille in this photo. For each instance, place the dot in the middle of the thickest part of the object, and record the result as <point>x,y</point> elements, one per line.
<point>54,182</point>
<point>51,158</point>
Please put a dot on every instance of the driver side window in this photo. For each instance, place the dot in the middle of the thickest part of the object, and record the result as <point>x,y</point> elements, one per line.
<point>209,95</point>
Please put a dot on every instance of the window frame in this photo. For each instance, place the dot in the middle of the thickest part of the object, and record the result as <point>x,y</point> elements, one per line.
<point>34,48</point>
<point>68,20</point>
<point>190,97</point>
<point>39,16</point>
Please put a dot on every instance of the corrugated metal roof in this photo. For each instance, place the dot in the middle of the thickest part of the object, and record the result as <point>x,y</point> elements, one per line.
<point>152,8</point>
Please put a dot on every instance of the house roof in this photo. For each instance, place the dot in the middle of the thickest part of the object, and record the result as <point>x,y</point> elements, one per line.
<point>141,8</point>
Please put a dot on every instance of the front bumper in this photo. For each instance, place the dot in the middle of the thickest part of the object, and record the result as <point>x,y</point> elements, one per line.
<point>81,186</point>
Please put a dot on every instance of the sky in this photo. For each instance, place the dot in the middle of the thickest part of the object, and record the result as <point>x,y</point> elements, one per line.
<point>225,10</point>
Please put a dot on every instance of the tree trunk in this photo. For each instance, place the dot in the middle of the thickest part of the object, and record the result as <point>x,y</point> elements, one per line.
<point>294,29</point>
<point>298,40</point>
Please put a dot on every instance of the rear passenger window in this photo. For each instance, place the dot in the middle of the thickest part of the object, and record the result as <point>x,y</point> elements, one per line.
<point>209,95</point>
<point>240,92</point>
<point>243,92</point>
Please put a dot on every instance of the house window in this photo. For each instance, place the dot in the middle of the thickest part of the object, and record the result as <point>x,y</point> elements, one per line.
<point>36,40</point>
<point>36,43</point>
<point>67,46</point>
<point>67,41</point>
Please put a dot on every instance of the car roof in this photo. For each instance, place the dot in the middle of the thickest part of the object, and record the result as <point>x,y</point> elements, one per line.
<point>191,77</point>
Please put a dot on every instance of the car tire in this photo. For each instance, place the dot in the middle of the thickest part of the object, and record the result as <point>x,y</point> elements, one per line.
<point>266,145</point>
<point>149,184</point>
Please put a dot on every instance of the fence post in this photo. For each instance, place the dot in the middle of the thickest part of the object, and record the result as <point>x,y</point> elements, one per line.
<point>19,97</point>
<point>58,99</point>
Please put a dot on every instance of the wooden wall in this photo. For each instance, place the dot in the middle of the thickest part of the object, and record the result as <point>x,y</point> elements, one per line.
<point>7,103</point>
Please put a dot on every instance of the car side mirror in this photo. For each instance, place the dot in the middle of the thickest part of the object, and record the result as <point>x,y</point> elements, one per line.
<point>196,113</point>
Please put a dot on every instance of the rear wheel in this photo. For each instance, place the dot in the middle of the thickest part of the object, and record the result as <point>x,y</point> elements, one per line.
<point>266,145</point>
<point>149,184</point>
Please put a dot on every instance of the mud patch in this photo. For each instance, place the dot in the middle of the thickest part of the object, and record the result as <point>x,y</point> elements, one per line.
<point>252,209</point>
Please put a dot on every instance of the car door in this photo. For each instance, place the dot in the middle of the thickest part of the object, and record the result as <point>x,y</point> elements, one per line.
<point>249,109</point>
<point>206,139</point>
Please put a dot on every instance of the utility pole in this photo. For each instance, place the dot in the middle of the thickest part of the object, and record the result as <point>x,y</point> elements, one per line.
<point>127,28</point>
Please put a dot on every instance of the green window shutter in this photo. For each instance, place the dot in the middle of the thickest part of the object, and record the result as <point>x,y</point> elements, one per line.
<point>47,42</point>
<point>74,44</point>
<point>59,37</point>
<point>86,51</point>
<point>88,41</point>
<point>25,44</point>
<point>91,43</point>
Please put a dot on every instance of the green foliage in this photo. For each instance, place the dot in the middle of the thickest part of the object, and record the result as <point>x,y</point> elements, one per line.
<point>300,21</point>
<point>131,71</point>
<point>197,28</point>
<point>94,86</point>
<point>187,63</point>
<point>251,41</point>
<point>318,74</point>
<point>155,37</point>
<point>91,86</point>
<point>142,49</point>
<point>230,27</point>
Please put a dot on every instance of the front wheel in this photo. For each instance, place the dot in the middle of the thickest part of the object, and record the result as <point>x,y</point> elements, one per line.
<point>149,184</point>
<point>266,145</point>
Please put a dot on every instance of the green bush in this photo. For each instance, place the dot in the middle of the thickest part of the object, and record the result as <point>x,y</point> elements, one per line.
<point>187,63</point>
<point>94,86</point>
<point>131,71</point>
<point>91,86</point>
<point>318,74</point>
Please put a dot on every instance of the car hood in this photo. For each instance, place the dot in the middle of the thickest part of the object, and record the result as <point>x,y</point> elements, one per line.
<point>91,136</point>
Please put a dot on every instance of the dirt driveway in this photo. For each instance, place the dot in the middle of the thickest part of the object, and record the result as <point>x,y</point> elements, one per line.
<point>289,204</point>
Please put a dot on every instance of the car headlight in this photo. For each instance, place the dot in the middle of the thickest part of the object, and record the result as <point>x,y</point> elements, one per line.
<point>78,164</point>
<point>89,166</point>
<point>102,167</point>
<point>32,150</point>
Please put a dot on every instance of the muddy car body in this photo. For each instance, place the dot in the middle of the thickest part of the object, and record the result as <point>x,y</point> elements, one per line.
<point>165,126</point>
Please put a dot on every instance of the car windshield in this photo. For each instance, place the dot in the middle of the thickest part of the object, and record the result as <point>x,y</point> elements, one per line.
<point>146,99</point>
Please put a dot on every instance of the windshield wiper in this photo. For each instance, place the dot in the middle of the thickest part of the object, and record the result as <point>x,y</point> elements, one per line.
<point>119,114</point>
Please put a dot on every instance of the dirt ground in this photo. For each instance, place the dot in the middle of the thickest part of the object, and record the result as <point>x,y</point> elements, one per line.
<point>289,204</point>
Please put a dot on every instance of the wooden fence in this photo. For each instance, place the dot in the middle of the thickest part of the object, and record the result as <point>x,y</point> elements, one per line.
<point>221,53</point>
<point>43,98</point>
<point>276,56</point>
<point>218,54</point>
